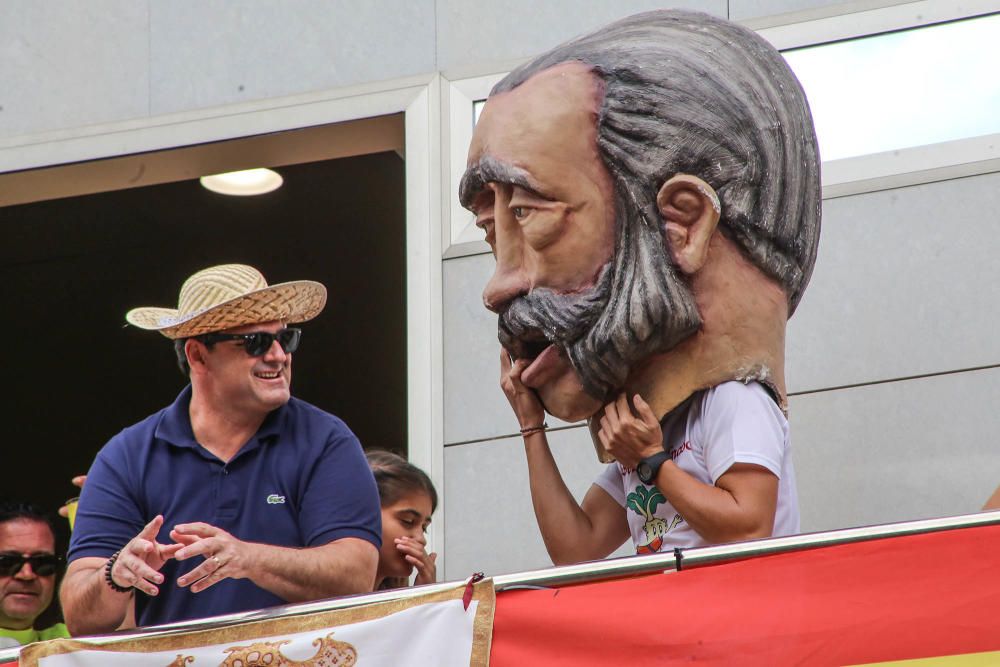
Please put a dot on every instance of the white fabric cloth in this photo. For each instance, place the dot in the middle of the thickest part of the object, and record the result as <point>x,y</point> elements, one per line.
<point>730,423</point>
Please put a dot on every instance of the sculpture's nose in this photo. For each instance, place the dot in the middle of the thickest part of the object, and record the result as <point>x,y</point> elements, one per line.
<point>510,278</point>
<point>506,284</point>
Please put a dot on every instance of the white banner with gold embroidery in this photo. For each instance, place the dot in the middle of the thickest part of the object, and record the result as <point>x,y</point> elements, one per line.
<point>434,629</point>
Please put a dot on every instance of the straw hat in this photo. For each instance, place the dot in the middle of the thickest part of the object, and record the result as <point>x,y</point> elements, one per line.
<point>231,295</point>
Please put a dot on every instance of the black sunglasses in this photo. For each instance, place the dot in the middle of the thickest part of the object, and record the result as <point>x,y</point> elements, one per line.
<point>44,565</point>
<point>257,344</point>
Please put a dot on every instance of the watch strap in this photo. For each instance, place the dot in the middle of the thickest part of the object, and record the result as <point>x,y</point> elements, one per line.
<point>649,467</point>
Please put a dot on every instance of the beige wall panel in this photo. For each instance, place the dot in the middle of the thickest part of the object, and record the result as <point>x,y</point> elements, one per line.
<point>474,406</point>
<point>66,65</point>
<point>907,283</point>
<point>470,33</point>
<point>255,49</point>
<point>898,450</point>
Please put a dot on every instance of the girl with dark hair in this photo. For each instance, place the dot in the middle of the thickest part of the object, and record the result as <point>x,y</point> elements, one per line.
<point>408,500</point>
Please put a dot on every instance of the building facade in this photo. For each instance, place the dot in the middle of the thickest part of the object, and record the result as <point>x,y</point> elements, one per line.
<point>893,362</point>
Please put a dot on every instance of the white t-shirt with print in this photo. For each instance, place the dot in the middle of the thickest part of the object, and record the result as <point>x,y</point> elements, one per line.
<point>730,423</point>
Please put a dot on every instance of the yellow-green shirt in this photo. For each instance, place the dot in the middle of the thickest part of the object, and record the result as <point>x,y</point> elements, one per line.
<point>32,635</point>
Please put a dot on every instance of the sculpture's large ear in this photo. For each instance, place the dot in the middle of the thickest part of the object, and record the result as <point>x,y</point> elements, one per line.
<point>690,210</point>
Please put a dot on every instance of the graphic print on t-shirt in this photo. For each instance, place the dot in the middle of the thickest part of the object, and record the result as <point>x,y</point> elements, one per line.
<point>643,501</point>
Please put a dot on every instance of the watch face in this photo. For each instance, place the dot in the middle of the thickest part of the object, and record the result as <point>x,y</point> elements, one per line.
<point>644,471</point>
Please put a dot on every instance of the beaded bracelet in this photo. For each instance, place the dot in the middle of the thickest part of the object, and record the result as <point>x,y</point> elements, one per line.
<point>107,575</point>
<point>525,432</point>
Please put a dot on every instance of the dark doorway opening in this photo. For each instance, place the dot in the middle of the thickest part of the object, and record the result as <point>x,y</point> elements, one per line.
<point>71,268</point>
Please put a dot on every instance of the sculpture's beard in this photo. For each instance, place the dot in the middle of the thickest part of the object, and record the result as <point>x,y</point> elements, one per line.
<point>637,307</point>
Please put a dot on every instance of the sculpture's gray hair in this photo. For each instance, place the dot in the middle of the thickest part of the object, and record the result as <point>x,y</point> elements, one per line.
<point>686,92</point>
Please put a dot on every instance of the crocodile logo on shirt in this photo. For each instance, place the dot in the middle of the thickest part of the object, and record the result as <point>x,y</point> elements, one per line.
<point>275,499</point>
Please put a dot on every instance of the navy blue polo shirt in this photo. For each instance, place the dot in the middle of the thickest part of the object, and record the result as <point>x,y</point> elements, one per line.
<point>301,481</point>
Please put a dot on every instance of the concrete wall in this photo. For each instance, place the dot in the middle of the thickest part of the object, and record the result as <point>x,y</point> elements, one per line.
<point>70,63</point>
<point>892,357</point>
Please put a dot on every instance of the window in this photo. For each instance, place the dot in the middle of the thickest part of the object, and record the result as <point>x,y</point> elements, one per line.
<point>909,88</point>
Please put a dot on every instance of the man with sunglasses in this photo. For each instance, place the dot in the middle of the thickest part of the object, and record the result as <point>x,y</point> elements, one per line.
<point>28,567</point>
<point>237,496</point>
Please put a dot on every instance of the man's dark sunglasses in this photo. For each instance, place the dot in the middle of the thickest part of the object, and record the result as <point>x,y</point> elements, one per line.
<point>44,565</point>
<point>257,344</point>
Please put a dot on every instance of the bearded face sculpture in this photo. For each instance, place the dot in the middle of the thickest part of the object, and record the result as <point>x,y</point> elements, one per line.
<point>651,194</point>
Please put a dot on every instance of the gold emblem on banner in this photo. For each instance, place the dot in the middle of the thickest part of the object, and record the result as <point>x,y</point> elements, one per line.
<point>330,653</point>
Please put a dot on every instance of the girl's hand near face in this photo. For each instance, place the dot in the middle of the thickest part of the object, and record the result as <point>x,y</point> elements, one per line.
<point>416,555</point>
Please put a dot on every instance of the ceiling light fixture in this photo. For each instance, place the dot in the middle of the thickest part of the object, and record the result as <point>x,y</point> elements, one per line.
<point>243,183</point>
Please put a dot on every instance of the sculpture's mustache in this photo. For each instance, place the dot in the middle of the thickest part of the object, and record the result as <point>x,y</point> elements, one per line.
<point>533,321</point>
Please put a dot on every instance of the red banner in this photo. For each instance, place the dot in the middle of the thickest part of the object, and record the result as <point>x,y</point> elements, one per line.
<point>936,594</point>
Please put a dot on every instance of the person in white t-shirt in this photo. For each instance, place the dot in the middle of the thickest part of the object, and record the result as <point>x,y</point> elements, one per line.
<point>723,473</point>
<point>730,477</point>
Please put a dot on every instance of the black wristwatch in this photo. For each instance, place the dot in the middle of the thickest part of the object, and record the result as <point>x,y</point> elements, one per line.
<point>650,466</point>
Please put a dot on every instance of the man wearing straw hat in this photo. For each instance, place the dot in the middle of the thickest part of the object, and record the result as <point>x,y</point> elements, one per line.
<point>235,497</point>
